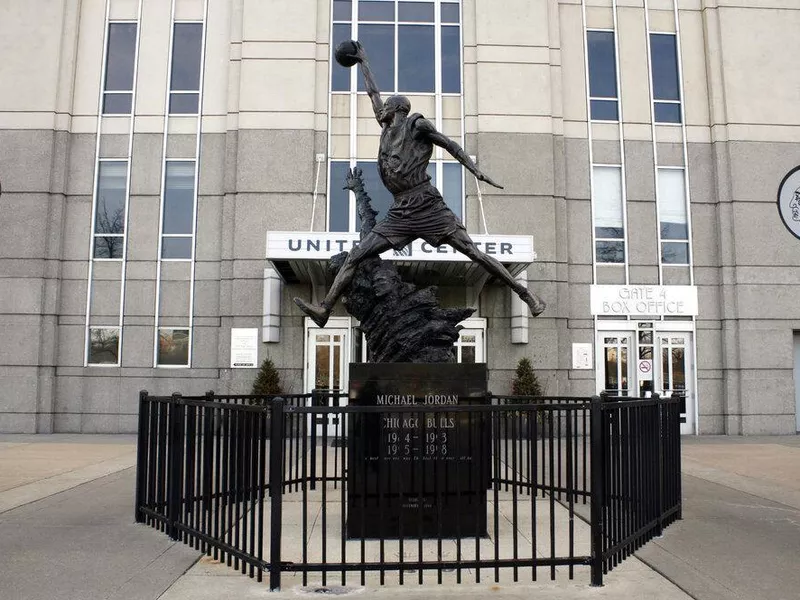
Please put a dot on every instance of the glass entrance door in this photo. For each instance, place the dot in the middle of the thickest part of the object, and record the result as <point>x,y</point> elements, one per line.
<point>673,372</point>
<point>615,365</point>
<point>646,359</point>
<point>328,353</point>
<point>469,346</point>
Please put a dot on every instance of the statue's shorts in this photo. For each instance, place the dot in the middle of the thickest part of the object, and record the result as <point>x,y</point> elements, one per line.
<point>418,213</point>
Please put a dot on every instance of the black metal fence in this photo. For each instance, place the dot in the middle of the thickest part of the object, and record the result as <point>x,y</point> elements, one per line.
<point>281,484</point>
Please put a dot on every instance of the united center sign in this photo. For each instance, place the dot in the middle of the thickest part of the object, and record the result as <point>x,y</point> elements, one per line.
<point>293,245</point>
<point>644,300</point>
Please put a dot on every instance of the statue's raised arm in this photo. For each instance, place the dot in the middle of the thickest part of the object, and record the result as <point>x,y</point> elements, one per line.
<point>348,54</point>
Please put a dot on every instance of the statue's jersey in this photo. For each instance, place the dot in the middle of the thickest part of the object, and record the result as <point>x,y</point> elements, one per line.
<point>402,158</point>
<point>418,210</point>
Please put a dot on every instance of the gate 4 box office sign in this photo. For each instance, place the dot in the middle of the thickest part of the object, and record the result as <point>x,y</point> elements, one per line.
<point>644,300</point>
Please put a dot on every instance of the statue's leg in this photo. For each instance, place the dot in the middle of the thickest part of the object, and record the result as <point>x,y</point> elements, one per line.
<point>372,245</point>
<point>461,241</point>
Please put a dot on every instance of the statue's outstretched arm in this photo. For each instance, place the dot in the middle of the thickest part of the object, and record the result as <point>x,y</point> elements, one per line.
<point>369,80</point>
<point>424,128</point>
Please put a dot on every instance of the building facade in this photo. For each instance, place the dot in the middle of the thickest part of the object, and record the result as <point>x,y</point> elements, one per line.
<point>172,176</point>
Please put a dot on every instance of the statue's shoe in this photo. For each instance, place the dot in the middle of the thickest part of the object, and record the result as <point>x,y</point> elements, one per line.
<point>318,314</point>
<point>536,304</point>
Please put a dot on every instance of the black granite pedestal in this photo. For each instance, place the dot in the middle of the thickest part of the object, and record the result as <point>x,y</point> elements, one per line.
<point>413,471</point>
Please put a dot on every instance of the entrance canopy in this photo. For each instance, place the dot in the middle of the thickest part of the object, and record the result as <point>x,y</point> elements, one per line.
<point>303,257</point>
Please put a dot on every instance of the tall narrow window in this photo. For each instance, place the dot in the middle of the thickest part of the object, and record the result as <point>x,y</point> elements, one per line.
<point>177,230</point>
<point>120,58</point>
<point>109,219</point>
<point>184,86</point>
<point>672,216</point>
<point>603,97</point>
<point>609,228</point>
<point>666,86</point>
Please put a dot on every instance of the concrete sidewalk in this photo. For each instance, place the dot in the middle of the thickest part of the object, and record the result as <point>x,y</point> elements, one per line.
<point>740,534</point>
<point>765,466</point>
<point>33,467</point>
<point>66,523</point>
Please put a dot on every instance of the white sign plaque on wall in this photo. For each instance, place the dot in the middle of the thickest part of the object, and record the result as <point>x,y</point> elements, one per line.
<point>581,356</point>
<point>644,300</point>
<point>244,348</point>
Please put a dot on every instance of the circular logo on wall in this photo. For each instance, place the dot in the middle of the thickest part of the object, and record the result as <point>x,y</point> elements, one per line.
<point>789,201</point>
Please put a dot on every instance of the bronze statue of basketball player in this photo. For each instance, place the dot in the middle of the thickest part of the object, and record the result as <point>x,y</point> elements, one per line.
<point>418,210</point>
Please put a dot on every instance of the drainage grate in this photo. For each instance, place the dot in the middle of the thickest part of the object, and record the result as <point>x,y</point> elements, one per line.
<point>329,590</point>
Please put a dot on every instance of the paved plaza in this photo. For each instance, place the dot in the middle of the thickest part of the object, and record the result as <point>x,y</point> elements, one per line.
<point>67,532</point>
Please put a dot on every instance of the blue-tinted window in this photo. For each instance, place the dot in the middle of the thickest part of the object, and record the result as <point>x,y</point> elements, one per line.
<point>674,231</point>
<point>111,193</point>
<point>109,223</point>
<point>451,60</point>
<point>386,25</point>
<point>342,10</point>
<point>187,48</point>
<point>667,112</point>
<point>451,188</point>
<point>675,253</point>
<point>176,247</point>
<point>340,76</point>
<point>664,55</point>
<point>381,197</point>
<point>117,103</point>
<point>378,40</point>
<point>604,110</point>
<point>602,75</point>
<point>121,53</point>
<point>375,11</point>
<point>450,13</point>
<point>179,198</point>
<point>186,56</point>
<point>339,201</point>
<point>602,64</point>
<point>418,12</point>
<point>184,104</point>
<point>415,69</point>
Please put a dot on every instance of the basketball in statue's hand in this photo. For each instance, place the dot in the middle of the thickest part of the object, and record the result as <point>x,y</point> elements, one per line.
<point>346,53</point>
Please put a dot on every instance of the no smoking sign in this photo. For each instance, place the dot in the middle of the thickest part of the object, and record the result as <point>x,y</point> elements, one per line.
<point>645,369</point>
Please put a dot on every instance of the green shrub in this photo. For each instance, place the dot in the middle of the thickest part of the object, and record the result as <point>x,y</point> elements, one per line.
<point>525,382</point>
<point>268,381</point>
